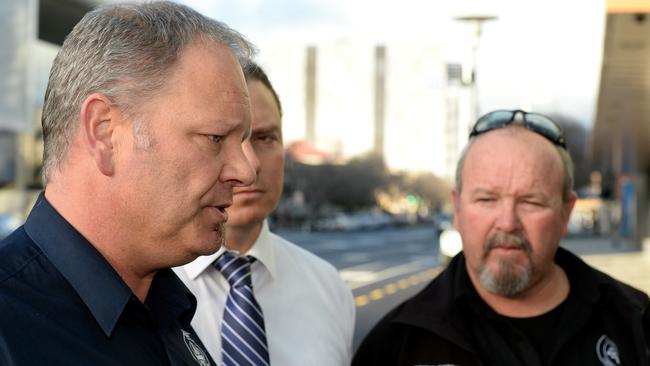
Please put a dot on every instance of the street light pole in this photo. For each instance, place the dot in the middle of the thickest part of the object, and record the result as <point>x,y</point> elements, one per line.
<point>476,20</point>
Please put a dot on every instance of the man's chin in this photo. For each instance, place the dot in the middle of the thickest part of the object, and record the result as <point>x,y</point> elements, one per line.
<point>220,237</point>
<point>212,242</point>
<point>506,278</point>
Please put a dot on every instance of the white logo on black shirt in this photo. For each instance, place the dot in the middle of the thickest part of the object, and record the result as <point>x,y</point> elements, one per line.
<point>607,351</point>
<point>197,352</point>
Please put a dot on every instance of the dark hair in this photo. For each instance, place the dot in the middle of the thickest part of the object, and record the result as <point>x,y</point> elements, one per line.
<point>253,71</point>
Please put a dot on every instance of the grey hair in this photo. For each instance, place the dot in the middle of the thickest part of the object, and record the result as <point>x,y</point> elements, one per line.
<point>126,52</point>
<point>567,164</point>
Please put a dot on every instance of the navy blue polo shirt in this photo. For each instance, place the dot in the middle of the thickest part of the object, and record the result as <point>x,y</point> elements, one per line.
<point>62,303</point>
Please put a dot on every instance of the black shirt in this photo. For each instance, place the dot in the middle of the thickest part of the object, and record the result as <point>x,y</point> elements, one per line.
<point>538,341</point>
<point>61,303</point>
<point>601,323</point>
<point>537,330</point>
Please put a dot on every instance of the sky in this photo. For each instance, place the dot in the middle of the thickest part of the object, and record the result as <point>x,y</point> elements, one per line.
<point>538,55</point>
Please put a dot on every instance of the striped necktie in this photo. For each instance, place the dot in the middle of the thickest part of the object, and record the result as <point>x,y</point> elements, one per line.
<point>243,338</point>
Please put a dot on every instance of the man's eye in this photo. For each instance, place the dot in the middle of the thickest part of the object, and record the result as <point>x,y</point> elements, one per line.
<point>533,203</point>
<point>215,138</point>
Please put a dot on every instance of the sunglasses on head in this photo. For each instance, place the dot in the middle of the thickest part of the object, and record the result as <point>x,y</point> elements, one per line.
<point>535,122</point>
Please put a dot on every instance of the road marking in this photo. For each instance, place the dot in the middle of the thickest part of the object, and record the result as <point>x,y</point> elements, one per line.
<point>414,280</point>
<point>376,294</point>
<point>358,277</point>
<point>390,289</point>
<point>394,287</point>
<point>361,300</point>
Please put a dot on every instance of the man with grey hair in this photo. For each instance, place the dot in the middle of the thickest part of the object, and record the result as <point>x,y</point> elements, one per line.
<point>513,297</point>
<point>144,117</point>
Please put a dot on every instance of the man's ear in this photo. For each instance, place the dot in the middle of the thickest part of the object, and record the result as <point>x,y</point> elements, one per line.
<point>98,120</point>
<point>455,197</point>
<point>567,209</point>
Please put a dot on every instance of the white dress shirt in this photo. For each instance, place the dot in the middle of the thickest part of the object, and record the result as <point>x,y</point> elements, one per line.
<point>308,309</point>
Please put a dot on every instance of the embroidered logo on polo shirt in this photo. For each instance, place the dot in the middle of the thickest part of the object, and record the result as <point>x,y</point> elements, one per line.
<point>607,351</point>
<point>197,352</point>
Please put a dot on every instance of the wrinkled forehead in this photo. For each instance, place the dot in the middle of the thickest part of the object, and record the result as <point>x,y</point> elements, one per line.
<point>263,102</point>
<point>513,150</point>
<point>514,138</point>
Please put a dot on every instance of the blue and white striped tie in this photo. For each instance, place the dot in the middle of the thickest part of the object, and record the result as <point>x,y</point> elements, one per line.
<point>243,338</point>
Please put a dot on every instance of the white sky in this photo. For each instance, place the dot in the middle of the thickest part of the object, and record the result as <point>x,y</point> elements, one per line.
<point>541,55</point>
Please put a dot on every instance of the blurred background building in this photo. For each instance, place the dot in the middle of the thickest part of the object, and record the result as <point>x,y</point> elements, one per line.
<point>378,107</point>
<point>621,133</point>
<point>30,32</point>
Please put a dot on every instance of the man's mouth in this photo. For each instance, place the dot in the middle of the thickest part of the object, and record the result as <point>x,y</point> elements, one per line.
<point>221,210</point>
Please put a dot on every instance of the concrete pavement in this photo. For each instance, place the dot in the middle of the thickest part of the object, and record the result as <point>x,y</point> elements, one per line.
<point>631,267</point>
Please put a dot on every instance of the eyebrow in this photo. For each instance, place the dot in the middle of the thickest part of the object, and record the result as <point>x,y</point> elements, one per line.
<point>536,195</point>
<point>482,191</point>
<point>269,129</point>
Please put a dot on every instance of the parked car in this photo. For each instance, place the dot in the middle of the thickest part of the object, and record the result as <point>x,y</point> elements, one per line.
<point>450,244</point>
<point>442,222</point>
<point>361,220</point>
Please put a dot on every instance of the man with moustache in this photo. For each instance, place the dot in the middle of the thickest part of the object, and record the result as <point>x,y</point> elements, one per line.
<point>144,117</point>
<point>303,312</point>
<point>513,296</point>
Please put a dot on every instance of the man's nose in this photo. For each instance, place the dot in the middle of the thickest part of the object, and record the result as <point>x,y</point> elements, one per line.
<point>508,219</point>
<point>238,169</point>
<point>251,155</point>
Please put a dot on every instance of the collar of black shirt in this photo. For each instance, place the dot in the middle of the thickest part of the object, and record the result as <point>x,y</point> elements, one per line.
<point>94,279</point>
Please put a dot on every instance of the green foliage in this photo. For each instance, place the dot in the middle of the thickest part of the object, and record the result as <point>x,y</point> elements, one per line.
<point>349,187</point>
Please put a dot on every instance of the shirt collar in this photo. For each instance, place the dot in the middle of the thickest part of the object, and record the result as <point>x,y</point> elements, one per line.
<point>92,277</point>
<point>581,279</point>
<point>262,250</point>
<point>170,300</point>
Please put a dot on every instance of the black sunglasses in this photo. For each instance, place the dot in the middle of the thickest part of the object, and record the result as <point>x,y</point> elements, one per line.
<point>533,121</point>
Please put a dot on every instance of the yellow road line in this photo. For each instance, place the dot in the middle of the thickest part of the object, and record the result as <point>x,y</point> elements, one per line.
<point>361,300</point>
<point>376,294</point>
<point>414,280</point>
<point>394,287</point>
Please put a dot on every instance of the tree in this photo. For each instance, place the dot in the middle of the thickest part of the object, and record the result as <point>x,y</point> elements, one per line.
<point>350,186</point>
<point>433,190</point>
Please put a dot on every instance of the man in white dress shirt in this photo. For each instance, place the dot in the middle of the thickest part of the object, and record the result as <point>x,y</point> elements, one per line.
<point>308,310</point>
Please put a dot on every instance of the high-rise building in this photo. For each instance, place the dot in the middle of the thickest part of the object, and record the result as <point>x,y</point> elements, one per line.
<point>392,99</point>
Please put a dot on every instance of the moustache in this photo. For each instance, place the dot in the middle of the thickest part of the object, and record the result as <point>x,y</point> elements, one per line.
<point>516,241</point>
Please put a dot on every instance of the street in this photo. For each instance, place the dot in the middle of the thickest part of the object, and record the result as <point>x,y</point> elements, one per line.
<point>385,267</point>
<point>382,267</point>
